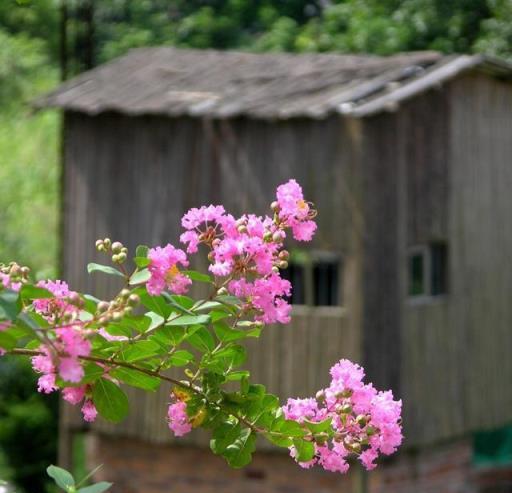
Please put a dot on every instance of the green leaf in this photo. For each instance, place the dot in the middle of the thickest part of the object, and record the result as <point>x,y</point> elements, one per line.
<point>237,375</point>
<point>320,427</point>
<point>239,453</point>
<point>181,358</point>
<point>140,350</point>
<point>197,276</point>
<point>156,320</point>
<point>96,488</point>
<point>142,251</point>
<point>140,276</point>
<point>202,340</point>
<point>63,478</point>
<point>7,342</point>
<point>110,401</point>
<point>141,262</point>
<point>28,320</point>
<point>229,357</point>
<point>223,436</point>
<point>31,292</point>
<point>290,428</point>
<point>226,334</point>
<point>185,320</point>
<point>106,269</point>
<point>156,304</point>
<point>10,304</point>
<point>92,372</point>
<point>137,379</point>
<point>168,336</point>
<point>90,303</point>
<point>305,450</point>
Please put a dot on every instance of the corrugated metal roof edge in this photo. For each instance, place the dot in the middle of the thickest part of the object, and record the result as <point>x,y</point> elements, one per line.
<point>435,76</point>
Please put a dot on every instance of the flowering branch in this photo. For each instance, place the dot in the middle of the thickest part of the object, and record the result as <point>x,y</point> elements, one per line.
<point>88,348</point>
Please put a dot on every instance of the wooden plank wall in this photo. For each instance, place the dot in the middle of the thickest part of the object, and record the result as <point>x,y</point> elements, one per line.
<point>133,178</point>
<point>448,156</point>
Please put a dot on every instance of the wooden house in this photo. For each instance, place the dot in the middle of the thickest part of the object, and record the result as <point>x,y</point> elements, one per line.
<point>408,160</point>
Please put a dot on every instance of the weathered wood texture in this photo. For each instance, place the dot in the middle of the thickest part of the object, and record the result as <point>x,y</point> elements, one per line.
<point>133,178</point>
<point>439,169</point>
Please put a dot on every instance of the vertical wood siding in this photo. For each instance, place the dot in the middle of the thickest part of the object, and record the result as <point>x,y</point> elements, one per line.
<point>132,179</point>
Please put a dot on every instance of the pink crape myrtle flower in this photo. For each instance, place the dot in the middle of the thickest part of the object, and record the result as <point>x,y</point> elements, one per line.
<point>75,395</point>
<point>7,283</point>
<point>366,422</point>
<point>89,411</point>
<point>57,305</point>
<point>165,272</point>
<point>294,211</point>
<point>178,420</point>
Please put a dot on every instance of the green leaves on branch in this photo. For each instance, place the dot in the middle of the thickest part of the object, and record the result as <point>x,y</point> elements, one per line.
<point>65,481</point>
<point>106,269</point>
<point>110,401</point>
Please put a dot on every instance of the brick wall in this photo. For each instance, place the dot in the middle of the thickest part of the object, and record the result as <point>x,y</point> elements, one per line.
<point>138,467</point>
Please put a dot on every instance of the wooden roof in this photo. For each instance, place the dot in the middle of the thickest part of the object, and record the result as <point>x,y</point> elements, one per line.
<point>226,84</point>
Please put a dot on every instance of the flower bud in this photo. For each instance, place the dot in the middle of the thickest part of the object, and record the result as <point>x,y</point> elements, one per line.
<point>275,269</point>
<point>267,236</point>
<point>103,320</point>
<point>103,306</point>
<point>274,206</point>
<point>117,316</point>
<point>124,250</point>
<point>346,409</point>
<point>347,393</point>
<point>25,271</point>
<point>99,245</point>
<point>361,420</point>
<point>371,430</point>
<point>242,229</point>
<point>128,309</point>
<point>74,299</point>
<point>124,293</point>
<point>321,438</point>
<point>115,258</point>
<point>211,256</point>
<point>284,255</point>
<point>277,237</point>
<point>133,299</point>
<point>320,396</point>
<point>107,243</point>
<point>117,247</point>
<point>283,264</point>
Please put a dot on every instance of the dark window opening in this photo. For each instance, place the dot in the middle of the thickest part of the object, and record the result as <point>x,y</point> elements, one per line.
<point>325,283</point>
<point>438,269</point>
<point>315,280</point>
<point>428,270</point>
<point>416,274</point>
<point>295,274</point>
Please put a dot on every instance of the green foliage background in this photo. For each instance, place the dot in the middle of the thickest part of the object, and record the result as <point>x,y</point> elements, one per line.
<point>29,143</point>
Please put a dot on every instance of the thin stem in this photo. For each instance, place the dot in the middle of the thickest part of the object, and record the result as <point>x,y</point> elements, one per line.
<point>185,385</point>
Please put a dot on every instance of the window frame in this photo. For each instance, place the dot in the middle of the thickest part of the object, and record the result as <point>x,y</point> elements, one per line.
<point>313,258</point>
<point>425,250</point>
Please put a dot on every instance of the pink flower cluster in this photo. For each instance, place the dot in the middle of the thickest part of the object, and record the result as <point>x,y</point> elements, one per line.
<point>53,309</point>
<point>165,272</point>
<point>8,283</point>
<point>245,253</point>
<point>77,395</point>
<point>61,354</point>
<point>365,422</point>
<point>178,420</point>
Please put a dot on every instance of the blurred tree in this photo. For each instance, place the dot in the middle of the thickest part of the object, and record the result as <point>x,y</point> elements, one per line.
<point>28,425</point>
